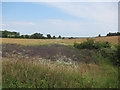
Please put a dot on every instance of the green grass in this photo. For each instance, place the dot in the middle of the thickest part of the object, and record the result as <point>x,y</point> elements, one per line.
<point>43,74</point>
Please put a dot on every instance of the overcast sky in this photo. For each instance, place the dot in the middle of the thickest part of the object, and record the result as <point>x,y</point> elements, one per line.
<point>62,18</point>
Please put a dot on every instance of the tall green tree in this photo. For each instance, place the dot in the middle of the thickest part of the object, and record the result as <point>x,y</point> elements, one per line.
<point>99,35</point>
<point>48,36</point>
<point>54,37</point>
<point>26,36</point>
<point>37,36</point>
<point>5,34</point>
<point>59,37</point>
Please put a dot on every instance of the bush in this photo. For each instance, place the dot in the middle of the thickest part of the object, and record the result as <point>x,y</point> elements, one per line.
<point>91,44</point>
<point>85,45</point>
<point>118,52</point>
<point>118,55</point>
<point>111,54</point>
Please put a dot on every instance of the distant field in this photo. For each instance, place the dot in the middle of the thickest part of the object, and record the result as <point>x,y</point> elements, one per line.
<point>112,39</point>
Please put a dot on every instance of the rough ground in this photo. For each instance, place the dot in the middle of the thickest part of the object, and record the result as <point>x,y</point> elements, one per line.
<point>52,52</point>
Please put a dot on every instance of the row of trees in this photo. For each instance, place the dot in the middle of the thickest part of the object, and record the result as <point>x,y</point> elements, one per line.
<point>113,34</point>
<point>8,34</point>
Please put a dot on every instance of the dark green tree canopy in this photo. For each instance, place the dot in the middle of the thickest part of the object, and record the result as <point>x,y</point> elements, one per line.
<point>99,35</point>
<point>37,36</point>
<point>48,36</point>
<point>59,37</point>
<point>54,37</point>
<point>113,34</point>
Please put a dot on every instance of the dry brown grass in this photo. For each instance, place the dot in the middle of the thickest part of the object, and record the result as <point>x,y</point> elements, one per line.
<point>112,39</point>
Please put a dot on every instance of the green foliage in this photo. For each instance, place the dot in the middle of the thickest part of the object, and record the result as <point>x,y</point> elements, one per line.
<point>91,44</point>
<point>71,38</point>
<point>6,34</point>
<point>59,37</point>
<point>113,34</point>
<point>36,36</point>
<point>118,55</point>
<point>54,37</point>
<point>27,36</point>
<point>118,51</point>
<point>112,54</point>
<point>99,35</point>
<point>22,36</point>
<point>103,50</point>
<point>48,36</point>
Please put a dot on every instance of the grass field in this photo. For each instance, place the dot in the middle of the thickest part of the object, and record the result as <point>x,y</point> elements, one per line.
<point>44,63</point>
<point>112,39</point>
<point>40,74</point>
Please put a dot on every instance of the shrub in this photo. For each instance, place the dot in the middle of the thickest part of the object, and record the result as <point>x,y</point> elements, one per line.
<point>112,54</point>
<point>76,45</point>
<point>91,44</point>
<point>118,52</point>
<point>106,45</point>
<point>118,55</point>
<point>109,53</point>
<point>85,45</point>
<point>98,45</point>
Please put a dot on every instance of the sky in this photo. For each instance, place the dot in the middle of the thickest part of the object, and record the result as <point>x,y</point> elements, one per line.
<point>77,19</point>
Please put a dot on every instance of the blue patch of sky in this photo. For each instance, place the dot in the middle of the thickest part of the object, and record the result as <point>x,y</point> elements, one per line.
<point>28,11</point>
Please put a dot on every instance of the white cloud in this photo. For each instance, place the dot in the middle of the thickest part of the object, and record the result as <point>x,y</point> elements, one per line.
<point>59,27</point>
<point>21,23</point>
<point>74,28</point>
<point>20,26</point>
<point>60,0</point>
<point>100,18</point>
<point>104,12</point>
<point>2,25</point>
<point>100,14</point>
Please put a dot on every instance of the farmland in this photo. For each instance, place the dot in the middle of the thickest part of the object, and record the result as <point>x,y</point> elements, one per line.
<point>112,39</point>
<point>56,63</point>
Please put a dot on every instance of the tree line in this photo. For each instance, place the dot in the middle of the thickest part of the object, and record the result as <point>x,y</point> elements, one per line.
<point>113,34</point>
<point>9,34</point>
